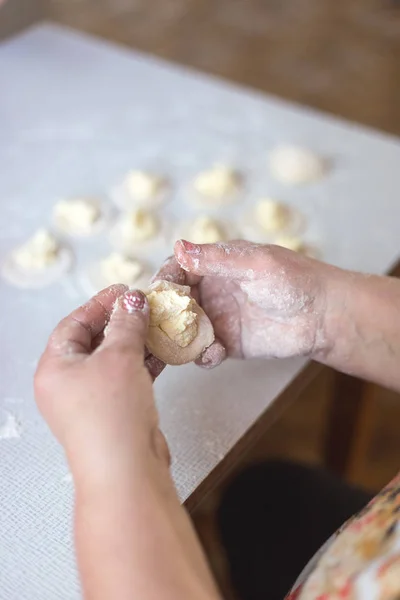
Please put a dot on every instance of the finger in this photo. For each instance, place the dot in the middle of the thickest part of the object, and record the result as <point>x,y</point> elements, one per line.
<point>230,260</point>
<point>128,324</point>
<point>212,356</point>
<point>172,271</point>
<point>154,365</point>
<point>74,335</point>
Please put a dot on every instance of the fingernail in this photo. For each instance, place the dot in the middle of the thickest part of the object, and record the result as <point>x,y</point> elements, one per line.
<point>133,301</point>
<point>190,248</point>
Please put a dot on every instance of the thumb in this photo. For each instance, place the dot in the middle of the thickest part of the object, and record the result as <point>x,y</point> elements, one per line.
<point>238,259</point>
<point>128,325</point>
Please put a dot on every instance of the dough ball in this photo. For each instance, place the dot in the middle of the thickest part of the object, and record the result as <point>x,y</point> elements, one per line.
<point>179,329</point>
<point>139,225</point>
<point>296,165</point>
<point>77,216</point>
<point>270,215</point>
<point>217,183</point>
<point>143,185</point>
<point>204,230</point>
<point>37,263</point>
<point>291,243</point>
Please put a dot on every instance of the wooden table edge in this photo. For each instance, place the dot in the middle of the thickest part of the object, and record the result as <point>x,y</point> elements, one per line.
<point>305,376</point>
<point>267,418</point>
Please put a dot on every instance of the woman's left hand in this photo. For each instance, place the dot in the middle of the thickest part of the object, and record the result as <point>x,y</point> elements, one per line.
<point>94,382</point>
<point>94,388</point>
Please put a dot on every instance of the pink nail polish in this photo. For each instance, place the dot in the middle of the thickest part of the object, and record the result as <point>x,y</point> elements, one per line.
<point>190,248</point>
<point>133,301</point>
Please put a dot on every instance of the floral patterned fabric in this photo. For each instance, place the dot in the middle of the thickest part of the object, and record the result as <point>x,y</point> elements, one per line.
<point>362,560</point>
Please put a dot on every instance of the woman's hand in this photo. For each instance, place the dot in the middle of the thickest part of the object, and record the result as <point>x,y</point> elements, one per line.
<point>263,301</point>
<point>94,386</point>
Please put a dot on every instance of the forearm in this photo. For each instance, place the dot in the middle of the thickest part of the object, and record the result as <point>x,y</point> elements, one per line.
<point>362,327</point>
<point>135,540</point>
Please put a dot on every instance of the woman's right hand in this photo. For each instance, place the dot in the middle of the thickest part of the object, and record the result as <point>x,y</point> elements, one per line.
<point>263,300</point>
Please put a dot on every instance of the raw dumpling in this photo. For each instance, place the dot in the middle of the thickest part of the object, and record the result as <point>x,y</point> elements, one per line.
<point>217,184</point>
<point>140,188</point>
<point>143,185</point>
<point>135,230</point>
<point>37,263</point>
<point>78,216</point>
<point>179,329</point>
<point>296,165</point>
<point>38,253</point>
<point>115,268</point>
<point>205,230</point>
<point>139,225</point>
<point>271,216</point>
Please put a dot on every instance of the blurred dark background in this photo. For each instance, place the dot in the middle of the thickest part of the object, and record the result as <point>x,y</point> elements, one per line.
<point>341,56</point>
